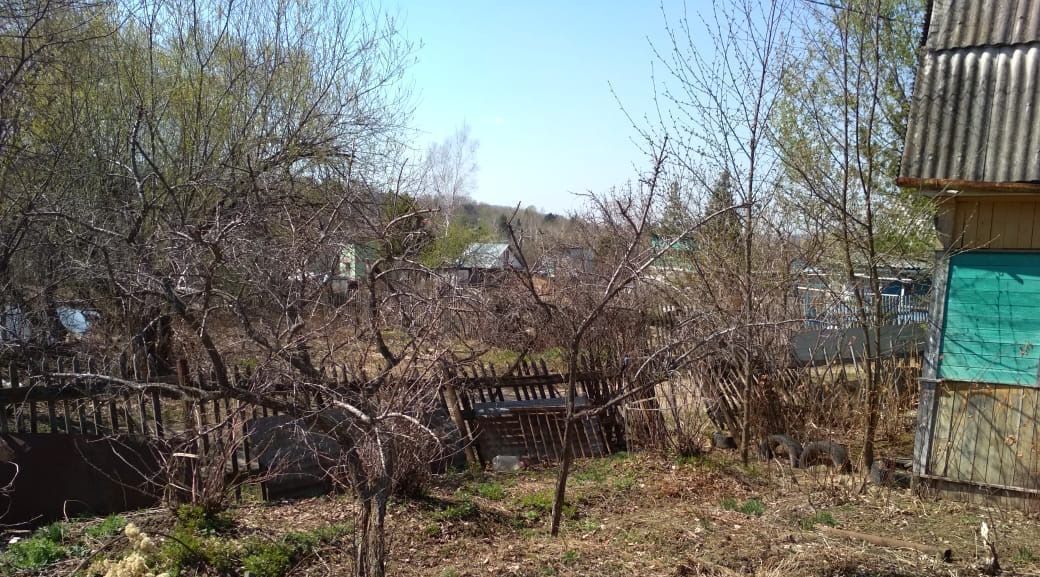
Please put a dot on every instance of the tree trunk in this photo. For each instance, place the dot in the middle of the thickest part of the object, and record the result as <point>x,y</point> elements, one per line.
<point>377,535</point>
<point>561,479</point>
<point>370,534</point>
<point>568,431</point>
<point>361,535</point>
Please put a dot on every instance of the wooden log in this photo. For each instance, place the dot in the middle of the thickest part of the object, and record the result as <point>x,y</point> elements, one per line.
<point>944,553</point>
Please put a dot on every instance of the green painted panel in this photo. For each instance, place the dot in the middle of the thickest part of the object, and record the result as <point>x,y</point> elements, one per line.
<point>986,348</point>
<point>1017,323</point>
<point>991,325</point>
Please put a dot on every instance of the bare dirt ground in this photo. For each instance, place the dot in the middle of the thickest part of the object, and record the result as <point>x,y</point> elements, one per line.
<point>641,515</point>
<point>646,515</point>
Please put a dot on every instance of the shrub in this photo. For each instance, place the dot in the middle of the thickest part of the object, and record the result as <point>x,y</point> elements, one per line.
<point>202,521</point>
<point>189,551</point>
<point>33,553</point>
<point>54,532</point>
<point>267,559</point>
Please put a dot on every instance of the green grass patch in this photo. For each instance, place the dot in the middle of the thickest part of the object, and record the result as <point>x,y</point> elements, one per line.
<point>587,525</point>
<point>751,507</point>
<point>198,520</point>
<point>46,546</point>
<point>491,490</point>
<point>818,518</point>
<point>624,481</point>
<point>432,530</point>
<point>460,511</point>
<point>267,559</point>
<point>570,557</point>
<point>108,527</point>
<point>534,506</point>
<point>200,551</point>
<point>592,473</point>
<point>1024,555</point>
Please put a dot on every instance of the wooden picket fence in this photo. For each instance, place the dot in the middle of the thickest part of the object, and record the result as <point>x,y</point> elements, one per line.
<point>522,412</point>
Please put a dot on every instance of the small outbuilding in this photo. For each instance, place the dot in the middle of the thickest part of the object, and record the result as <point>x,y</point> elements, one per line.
<point>483,263</point>
<point>973,143</point>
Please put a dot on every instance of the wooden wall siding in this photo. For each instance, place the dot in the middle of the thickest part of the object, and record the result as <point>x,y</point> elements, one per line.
<point>991,326</point>
<point>996,223</point>
<point>987,434</point>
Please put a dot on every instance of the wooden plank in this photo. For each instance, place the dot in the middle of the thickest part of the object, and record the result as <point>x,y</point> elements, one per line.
<point>52,418</point>
<point>113,415</point>
<point>1019,449</point>
<point>1024,217</point>
<point>97,415</point>
<point>66,425</point>
<point>970,234</point>
<point>526,434</point>
<point>1033,431</point>
<point>81,416</point>
<point>1004,226</point>
<point>938,463</point>
<point>960,446</point>
<point>999,465</point>
<point>128,414</point>
<point>964,215</point>
<point>984,231</point>
<point>1035,242</point>
<point>144,414</point>
<point>976,436</point>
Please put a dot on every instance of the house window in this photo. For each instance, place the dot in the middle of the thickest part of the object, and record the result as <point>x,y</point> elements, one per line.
<point>991,326</point>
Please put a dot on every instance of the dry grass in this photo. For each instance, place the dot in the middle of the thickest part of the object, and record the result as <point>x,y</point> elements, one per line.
<point>644,515</point>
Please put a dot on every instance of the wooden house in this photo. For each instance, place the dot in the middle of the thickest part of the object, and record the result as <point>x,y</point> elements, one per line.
<point>973,143</point>
<point>483,263</point>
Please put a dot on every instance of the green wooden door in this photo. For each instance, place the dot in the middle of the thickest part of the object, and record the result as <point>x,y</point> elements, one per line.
<point>991,326</point>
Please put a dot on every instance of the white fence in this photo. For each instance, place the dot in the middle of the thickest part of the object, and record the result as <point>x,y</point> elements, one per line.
<point>824,309</point>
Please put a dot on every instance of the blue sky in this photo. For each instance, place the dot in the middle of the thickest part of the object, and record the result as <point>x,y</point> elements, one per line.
<point>532,79</point>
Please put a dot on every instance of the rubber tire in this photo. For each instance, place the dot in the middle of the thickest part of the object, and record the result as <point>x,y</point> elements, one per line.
<point>767,448</point>
<point>888,474</point>
<point>826,453</point>
<point>721,440</point>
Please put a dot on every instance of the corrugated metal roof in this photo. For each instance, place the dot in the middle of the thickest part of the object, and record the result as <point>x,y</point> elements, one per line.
<point>484,255</point>
<point>974,114</point>
<point>964,23</point>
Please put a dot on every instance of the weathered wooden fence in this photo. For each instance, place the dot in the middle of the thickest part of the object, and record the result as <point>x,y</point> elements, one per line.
<point>190,424</point>
<point>523,413</point>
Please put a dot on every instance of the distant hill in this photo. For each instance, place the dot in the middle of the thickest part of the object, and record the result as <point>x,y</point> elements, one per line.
<point>492,219</point>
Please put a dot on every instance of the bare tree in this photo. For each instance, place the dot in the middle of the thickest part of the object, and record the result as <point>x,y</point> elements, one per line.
<point>592,306</point>
<point>201,191</point>
<point>449,171</point>
<point>837,131</point>
<point>717,110</point>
